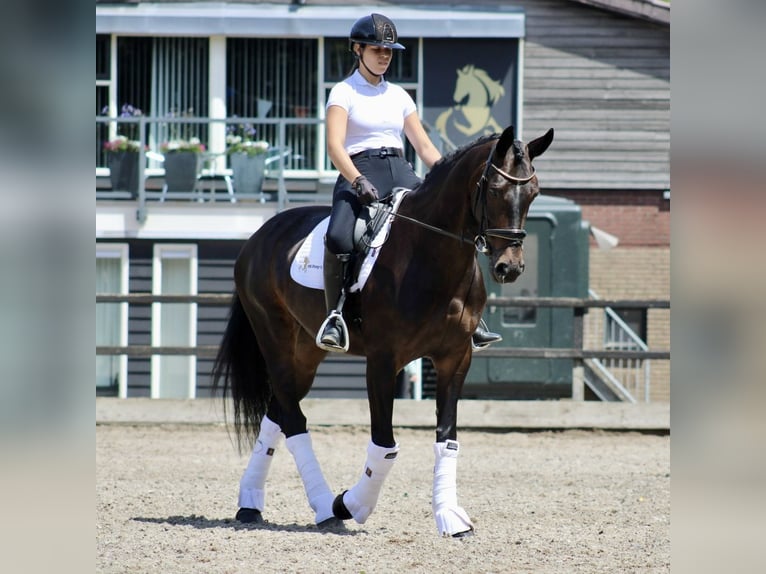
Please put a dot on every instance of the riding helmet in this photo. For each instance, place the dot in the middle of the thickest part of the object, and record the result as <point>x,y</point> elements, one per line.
<point>375,30</point>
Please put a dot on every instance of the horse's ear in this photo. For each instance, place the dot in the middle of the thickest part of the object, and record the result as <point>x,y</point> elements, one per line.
<point>538,146</point>
<point>505,141</point>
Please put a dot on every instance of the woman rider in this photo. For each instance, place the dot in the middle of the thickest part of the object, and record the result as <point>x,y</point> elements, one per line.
<point>365,118</point>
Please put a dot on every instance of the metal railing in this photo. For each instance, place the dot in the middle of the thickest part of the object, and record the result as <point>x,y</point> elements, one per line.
<point>152,131</point>
<point>628,378</point>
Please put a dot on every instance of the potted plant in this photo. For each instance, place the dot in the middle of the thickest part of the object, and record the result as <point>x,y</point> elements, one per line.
<point>124,153</point>
<point>247,158</point>
<point>182,159</point>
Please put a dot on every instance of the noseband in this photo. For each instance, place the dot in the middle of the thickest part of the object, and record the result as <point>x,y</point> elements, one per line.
<point>513,234</point>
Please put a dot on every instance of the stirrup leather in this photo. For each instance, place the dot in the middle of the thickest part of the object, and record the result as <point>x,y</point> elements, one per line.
<point>340,323</point>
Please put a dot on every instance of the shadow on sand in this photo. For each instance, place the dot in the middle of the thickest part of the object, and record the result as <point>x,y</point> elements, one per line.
<point>202,523</point>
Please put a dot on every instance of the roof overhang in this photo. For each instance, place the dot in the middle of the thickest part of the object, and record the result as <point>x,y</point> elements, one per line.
<point>657,11</point>
<point>290,21</point>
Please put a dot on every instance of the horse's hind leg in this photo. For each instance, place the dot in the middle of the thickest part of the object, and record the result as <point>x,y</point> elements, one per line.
<point>292,374</point>
<point>252,485</point>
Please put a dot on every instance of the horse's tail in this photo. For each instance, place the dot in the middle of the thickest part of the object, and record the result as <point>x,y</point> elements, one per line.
<point>242,369</point>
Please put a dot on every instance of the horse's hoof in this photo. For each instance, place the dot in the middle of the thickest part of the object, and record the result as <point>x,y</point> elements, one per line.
<point>332,523</point>
<point>465,534</point>
<point>339,509</point>
<point>249,516</point>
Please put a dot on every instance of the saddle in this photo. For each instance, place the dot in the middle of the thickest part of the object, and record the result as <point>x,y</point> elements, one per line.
<point>370,233</point>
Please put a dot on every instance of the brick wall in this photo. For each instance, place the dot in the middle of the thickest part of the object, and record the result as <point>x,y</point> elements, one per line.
<point>637,218</point>
<point>639,273</point>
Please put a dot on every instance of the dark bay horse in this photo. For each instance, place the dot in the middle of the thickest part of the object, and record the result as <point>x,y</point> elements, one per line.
<point>424,298</point>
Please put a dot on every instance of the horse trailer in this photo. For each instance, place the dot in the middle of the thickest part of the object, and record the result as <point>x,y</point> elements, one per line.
<point>556,256</point>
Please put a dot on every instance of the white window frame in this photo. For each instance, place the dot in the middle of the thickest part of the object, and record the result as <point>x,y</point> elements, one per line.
<point>173,251</point>
<point>120,251</point>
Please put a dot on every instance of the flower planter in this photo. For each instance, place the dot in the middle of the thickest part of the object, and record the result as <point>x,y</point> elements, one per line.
<point>181,168</point>
<point>123,171</point>
<point>247,171</point>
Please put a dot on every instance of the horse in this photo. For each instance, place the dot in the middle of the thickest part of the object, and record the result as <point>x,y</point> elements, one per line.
<point>475,94</point>
<point>423,298</point>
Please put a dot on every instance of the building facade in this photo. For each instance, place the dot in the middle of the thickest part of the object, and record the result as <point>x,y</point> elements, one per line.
<point>596,71</point>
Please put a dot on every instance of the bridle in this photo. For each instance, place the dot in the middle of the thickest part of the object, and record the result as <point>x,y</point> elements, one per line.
<point>515,235</point>
<point>479,241</point>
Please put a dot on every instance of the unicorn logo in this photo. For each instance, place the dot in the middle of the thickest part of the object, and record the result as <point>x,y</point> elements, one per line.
<point>471,116</point>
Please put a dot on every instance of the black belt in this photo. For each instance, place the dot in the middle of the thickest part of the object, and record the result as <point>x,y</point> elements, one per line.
<point>380,152</point>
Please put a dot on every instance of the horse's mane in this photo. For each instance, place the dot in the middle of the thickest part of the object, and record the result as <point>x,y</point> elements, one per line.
<point>446,162</point>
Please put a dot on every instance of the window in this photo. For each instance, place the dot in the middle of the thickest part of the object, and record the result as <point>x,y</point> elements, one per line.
<point>268,77</point>
<point>616,334</point>
<point>103,84</point>
<point>174,272</point>
<point>111,319</point>
<point>163,77</point>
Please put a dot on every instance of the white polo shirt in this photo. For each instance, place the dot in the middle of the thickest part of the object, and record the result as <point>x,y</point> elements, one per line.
<point>375,113</point>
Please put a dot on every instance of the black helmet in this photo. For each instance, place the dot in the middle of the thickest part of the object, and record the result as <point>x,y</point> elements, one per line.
<point>376,30</point>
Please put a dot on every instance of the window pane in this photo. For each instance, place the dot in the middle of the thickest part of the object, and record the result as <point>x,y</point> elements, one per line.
<point>268,77</point>
<point>179,82</point>
<point>102,130</point>
<point>102,57</point>
<point>134,64</point>
<point>635,319</point>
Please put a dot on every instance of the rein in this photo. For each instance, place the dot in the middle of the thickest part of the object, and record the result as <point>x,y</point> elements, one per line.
<point>514,235</point>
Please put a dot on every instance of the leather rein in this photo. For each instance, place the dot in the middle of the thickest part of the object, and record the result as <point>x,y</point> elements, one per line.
<point>514,235</point>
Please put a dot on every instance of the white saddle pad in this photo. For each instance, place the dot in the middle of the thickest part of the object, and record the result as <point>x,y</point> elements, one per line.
<point>307,268</point>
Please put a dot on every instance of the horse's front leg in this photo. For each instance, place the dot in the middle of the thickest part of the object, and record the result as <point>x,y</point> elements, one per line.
<point>451,519</point>
<point>359,501</point>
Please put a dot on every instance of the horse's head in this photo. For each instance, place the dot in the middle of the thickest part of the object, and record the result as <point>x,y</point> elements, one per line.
<point>505,190</point>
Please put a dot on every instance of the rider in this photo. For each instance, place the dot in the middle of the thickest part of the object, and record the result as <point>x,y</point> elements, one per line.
<point>365,118</point>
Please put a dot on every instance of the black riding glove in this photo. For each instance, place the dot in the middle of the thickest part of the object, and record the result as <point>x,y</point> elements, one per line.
<point>365,191</point>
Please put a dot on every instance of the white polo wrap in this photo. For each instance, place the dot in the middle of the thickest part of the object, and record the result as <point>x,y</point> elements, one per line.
<point>361,499</point>
<point>319,494</point>
<point>450,518</point>
<point>252,485</point>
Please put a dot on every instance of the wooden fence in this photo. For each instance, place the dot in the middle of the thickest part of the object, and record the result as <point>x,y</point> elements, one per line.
<point>578,306</point>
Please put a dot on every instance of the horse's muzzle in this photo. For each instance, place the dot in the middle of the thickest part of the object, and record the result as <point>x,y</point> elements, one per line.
<point>505,272</point>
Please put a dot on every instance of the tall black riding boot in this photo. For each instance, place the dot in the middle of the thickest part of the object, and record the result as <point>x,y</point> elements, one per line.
<point>335,269</point>
<point>483,337</point>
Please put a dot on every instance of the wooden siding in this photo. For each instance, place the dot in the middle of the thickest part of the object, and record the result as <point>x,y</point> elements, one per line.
<point>602,81</point>
<point>337,376</point>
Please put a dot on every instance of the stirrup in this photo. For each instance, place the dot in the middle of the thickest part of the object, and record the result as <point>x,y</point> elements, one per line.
<point>340,323</point>
<point>481,346</point>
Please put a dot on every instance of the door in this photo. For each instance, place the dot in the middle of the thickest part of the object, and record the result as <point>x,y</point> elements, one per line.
<point>519,326</point>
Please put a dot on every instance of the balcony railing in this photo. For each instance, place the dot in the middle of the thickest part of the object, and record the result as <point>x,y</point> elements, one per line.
<point>296,153</point>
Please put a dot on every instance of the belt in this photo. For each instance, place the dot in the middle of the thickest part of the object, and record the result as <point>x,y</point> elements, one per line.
<point>380,152</point>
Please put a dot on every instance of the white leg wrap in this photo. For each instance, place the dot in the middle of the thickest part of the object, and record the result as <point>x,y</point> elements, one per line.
<point>450,518</point>
<point>252,492</point>
<point>319,494</point>
<point>361,499</point>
